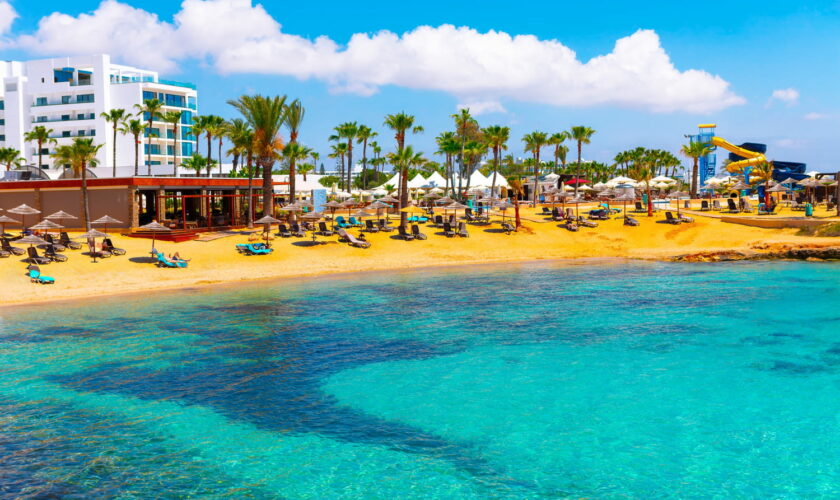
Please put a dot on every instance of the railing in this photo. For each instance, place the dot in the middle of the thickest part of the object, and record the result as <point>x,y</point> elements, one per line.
<point>75,101</point>
<point>60,120</point>
<point>177,84</point>
<point>91,133</point>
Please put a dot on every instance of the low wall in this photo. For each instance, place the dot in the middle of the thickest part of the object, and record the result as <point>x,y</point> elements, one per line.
<point>777,223</point>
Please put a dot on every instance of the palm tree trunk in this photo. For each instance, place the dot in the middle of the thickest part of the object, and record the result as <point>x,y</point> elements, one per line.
<point>649,200</point>
<point>115,149</point>
<point>364,164</point>
<point>495,169</point>
<point>250,193</point>
<point>516,211</point>
<point>349,165</point>
<point>220,156</point>
<point>136,155</point>
<point>40,155</point>
<point>268,186</point>
<point>536,175</point>
<point>175,153</point>
<point>292,191</point>
<point>694,172</point>
<point>149,150</point>
<point>85,202</point>
<point>403,193</point>
<point>577,171</point>
<point>209,145</point>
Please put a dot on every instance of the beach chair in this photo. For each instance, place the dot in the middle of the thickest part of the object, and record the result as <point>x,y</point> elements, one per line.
<point>447,230</point>
<point>405,234</point>
<point>50,253</point>
<point>704,206</point>
<point>716,205</point>
<point>670,219</point>
<point>58,246</point>
<point>586,223</point>
<point>34,258</point>
<point>7,247</point>
<point>482,215</point>
<point>341,222</point>
<point>762,209</point>
<point>297,231</point>
<point>546,211</point>
<point>108,246</point>
<point>384,226</point>
<point>462,230</point>
<point>438,221</point>
<point>555,214</point>
<point>162,261</point>
<point>67,242</point>
<point>4,254</point>
<point>684,218</point>
<point>254,249</point>
<point>371,227</point>
<point>352,240</point>
<point>283,231</point>
<point>630,221</point>
<point>746,206</point>
<point>731,206</point>
<point>93,252</point>
<point>571,225</point>
<point>35,276</point>
<point>355,222</point>
<point>599,214</point>
<point>508,228</point>
<point>415,231</point>
<point>639,207</point>
<point>323,230</point>
<point>468,214</point>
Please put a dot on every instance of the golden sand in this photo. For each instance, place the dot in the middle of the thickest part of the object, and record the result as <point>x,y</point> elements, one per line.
<point>217,261</point>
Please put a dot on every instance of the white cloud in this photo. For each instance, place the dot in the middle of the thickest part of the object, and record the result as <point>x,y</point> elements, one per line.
<point>482,107</point>
<point>481,69</point>
<point>789,143</point>
<point>788,96</point>
<point>7,17</point>
<point>815,116</point>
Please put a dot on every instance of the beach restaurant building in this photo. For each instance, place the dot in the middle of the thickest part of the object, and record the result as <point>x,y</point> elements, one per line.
<point>183,203</point>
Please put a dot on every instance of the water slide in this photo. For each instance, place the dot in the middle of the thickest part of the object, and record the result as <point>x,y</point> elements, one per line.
<point>752,158</point>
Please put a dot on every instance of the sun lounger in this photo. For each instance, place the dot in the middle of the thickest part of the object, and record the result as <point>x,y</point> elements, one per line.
<point>462,230</point>
<point>415,231</point>
<point>508,228</point>
<point>93,252</point>
<point>546,211</point>
<point>670,219</point>
<point>108,246</point>
<point>731,206</point>
<point>4,254</point>
<point>323,230</point>
<point>164,262</point>
<point>405,235</point>
<point>438,221</point>
<point>67,242</point>
<point>716,205</point>
<point>58,246</point>
<point>468,214</point>
<point>571,225</point>
<point>746,206</point>
<point>639,208</point>
<point>704,206</point>
<point>6,246</point>
<point>685,218</point>
<point>35,276</point>
<point>762,209</point>
<point>630,221</point>
<point>254,249</point>
<point>447,230</point>
<point>341,222</point>
<point>298,231</point>
<point>352,240</point>
<point>599,214</point>
<point>384,226</point>
<point>371,227</point>
<point>283,231</point>
<point>34,258</point>
<point>355,222</point>
<point>54,256</point>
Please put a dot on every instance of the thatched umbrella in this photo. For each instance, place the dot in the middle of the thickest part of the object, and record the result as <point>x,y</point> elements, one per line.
<point>23,211</point>
<point>267,221</point>
<point>454,206</point>
<point>625,197</point>
<point>155,227</point>
<point>105,221</point>
<point>377,205</point>
<point>4,219</point>
<point>91,236</point>
<point>503,206</point>
<point>32,240</point>
<point>46,225</point>
<point>809,183</point>
<point>60,216</point>
<point>333,206</point>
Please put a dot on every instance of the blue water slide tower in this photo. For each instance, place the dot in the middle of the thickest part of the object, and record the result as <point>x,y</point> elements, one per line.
<point>708,163</point>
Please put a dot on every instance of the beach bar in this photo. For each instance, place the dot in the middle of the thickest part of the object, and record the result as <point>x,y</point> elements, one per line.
<point>186,203</point>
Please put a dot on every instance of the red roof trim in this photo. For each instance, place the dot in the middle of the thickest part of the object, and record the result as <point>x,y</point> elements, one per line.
<point>136,181</point>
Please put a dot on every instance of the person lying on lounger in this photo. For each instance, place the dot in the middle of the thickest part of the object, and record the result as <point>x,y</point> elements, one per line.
<point>177,256</point>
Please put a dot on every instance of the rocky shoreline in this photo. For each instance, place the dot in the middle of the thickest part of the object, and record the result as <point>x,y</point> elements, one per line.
<point>766,252</point>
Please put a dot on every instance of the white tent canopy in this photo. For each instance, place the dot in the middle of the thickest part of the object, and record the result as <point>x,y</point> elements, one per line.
<point>478,180</point>
<point>435,181</point>
<point>417,182</point>
<point>394,181</point>
<point>620,180</point>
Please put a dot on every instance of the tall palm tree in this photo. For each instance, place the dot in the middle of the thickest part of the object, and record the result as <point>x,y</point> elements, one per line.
<point>534,142</point>
<point>401,123</point>
<point>517,187</point>
<point>496,137</point>
<point>174,118</point>
<point>348,131</point>
<point>465,129</point>
<point>195,162</point>
<point>115,117</point>
<point>293,153</point>
<point>40,135</point>
<point>763,174</point>
<point>363,135</point>
<point>238,132</point>
<point>405,159</point>
<point>10,157</point>
<point>304,169</point>
<point>557,139</point>
<point>211,126</point>
<point>153,109</point>
<point>248,152</point>
<point>294,118</point>
<point>135,128</point>
<point>448,146</point>
<point>339,152</point>
<point>81,154</point>
<point>695,150</point>
<point>643,171</point>
<point>582,135</point>
<point>266,116</point>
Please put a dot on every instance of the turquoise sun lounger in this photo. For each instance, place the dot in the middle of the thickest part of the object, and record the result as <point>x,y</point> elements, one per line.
<point>164,262</point>
<point>35,276</point>
<point>254,248</point>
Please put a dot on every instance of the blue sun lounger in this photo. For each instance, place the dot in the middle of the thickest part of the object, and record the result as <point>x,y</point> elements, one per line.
<point>254,249</point>
<point>164,262</point>
<point>340,222</point>
<point>35,276</point>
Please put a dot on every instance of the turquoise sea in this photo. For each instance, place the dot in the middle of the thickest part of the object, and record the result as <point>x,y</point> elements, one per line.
<point>541,380</point>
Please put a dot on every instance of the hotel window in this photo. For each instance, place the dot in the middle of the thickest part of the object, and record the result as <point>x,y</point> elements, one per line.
<point>65,118</point>
<point>147,96</point>
<point>170,150</point>
<point>152,132</point>
<point>2,137</point>
<point>84,98</point>
<point>65,99</point>
<point>2,121</point>
<point>45,151</point>
<point>155,149</point>
<point>80,116</point>
<point>175,100</point>
<point>187,149</point>
<point>41,119</point>
<point>170,134</point>
<point>65,133</point>
<point>2,105</point>
<point>41,101</point>
<point>92,116</point>
<point>81,133</point>
<point>187,118</point>
<point>191,102</point>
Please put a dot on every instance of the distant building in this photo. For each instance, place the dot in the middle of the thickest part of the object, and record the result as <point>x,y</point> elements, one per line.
<point>69,94</point>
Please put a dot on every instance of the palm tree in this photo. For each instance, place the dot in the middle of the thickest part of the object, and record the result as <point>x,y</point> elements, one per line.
<point>400,123</point>
<point>174,118</point>
<point>465,129</point>
<point>534,142</point>
<point>496,137</point>
<point>582,135</point>
<point>39,135</point>
<point>11,157</point>
<point>695,150</point>
<point>349,131</point>
<point>363,135</point>
<point>153,109</point>
<point>339,151</point>
<point>211,126</point>
<point>304,169</point>
<point>449,146</point>
<point>266,116</point>
<point>81,154</point>
<point>763,173</point>
<point>115,117</point>
<point>248,151</point>
<point>294,117</point>
<point>557,139</point>
<point>238,132</point>
<point>518,189</point>
<point>135,128</point>
<point>196,162</point>
<point>404,159</point>
<point>221,131</point>
<point>292,153</point>
<point>643,171</point>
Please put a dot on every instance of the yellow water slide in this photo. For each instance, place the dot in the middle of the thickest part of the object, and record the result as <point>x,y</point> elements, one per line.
<point>752,158</point>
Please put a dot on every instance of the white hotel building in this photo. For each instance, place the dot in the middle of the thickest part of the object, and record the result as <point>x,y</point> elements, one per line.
<point>68,96</point>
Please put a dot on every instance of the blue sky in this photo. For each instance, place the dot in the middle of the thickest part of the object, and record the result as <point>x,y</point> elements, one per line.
<point>755,48</point>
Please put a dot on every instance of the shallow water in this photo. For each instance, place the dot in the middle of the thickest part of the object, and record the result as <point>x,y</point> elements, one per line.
<point>597,380</point>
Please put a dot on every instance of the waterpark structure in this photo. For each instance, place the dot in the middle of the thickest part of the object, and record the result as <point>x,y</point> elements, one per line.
<point>743,156</point>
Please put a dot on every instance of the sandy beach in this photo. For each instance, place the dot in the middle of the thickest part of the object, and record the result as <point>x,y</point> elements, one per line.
<point>218,262</point>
